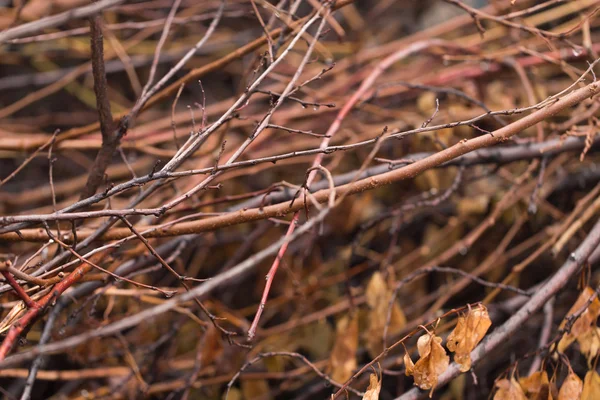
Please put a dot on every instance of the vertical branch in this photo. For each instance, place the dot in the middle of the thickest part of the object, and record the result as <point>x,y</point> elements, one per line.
<point>110,139</point>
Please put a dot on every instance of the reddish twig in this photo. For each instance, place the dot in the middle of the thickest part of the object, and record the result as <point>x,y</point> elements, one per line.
<point>21,293</point>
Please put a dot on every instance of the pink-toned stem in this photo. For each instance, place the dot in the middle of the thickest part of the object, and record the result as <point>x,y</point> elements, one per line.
<point>29,302</point>
<point>270,277</point>
<point>333,128</point>
<point>35,310</point>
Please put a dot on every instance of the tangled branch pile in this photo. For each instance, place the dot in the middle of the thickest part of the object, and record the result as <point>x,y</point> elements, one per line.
<point>414,182</point>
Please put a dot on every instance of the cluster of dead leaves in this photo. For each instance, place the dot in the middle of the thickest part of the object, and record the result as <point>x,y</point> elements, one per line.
<point>587,335</point>
<point>432,363</point>
<point>433,360</point>
<point>342,361</point>
<point>584,329</point>
<point>539,387</point>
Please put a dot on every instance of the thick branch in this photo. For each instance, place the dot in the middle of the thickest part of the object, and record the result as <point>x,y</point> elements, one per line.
<point>110,140</point>
<point>409,171</point>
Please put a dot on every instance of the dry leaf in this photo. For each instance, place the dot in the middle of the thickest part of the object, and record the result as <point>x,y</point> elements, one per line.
<point>591,386</point>
<point>589,343</point>
<point>469,331</point>
<point>473,205</point>
<point>409,365</point>
<point>433,362</point>
<point>509,390</point>
<point>436,239</point>
<point>359,211</point>
<point>584,323</point>
<point>426,103</point>
<point>316,339</point>
<point>457,388</point>
<point>343,355</point>
<point>255,388</point>
<point>35,9</point>
<point>372,392</point>
<point>378,296</point>
<point>536,386</point>
<point>234,394</point>
<point>571,388</point>
<point>68,4</point>
<point>212,346</point>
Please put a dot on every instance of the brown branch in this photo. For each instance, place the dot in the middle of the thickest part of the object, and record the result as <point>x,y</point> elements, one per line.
<point>406,172</point>
<point>110,139</point>
<point>56,20</point>
<point>500,155</point>
<point>133,320</point>
<point>286,354</point>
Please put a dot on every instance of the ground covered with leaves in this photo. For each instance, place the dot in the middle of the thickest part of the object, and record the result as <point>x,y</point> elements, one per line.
<point>260,199</point>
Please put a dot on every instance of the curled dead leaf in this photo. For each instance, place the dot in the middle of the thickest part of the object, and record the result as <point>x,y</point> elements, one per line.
<point>584,323</point>
<point>536,386</point>
<point>591,386</point>
<point>255,388</point>
<point>509,389</point>
<point>571,388</point>
<point>343,355</point>
<point>432,363</point>
<point>372,392</point>
<point>469,331</point>
<point>409,365</point>
<point>378,296</point>
<point>589,344</point>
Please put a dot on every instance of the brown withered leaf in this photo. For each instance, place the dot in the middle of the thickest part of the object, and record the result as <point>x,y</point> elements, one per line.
<point>436,239</point>
<point>473,205</point>
<point>315,339</point>
<point>36,9</point>
<point>432,363</point>
<point>212,346</point>
<point>378,296</point>
<point>509,389</point>
<point>426,103</point>
<point>409,365</point>
<point>571,388</point>
<point>589,344</point>
<point>584,323</point>
<point>343,355</point>
<point>372,392</point>
<point>469,331</point>
<point>457,388</point>
<point>255,388</point>
<point>591,386</point>
<point>235,394</point>
<point>536,386</point>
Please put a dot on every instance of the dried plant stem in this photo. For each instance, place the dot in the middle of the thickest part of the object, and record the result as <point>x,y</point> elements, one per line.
<point>110,138</point>
<point>409,171</point>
